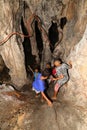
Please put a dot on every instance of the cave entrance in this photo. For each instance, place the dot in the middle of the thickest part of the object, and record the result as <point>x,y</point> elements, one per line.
<point>4,71</point>
<point>39,40</point>
<point>53,35</point>
<point>29,58</point>
<point>63,22</point>
<point>53,32</point>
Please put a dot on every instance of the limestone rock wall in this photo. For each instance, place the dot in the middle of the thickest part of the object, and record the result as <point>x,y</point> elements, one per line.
<point>74,43</point>
<point>46,10</point>
<point>10,51</point>
<point>76,90</point>
<point>1,64</point>
<point>74,94</point>
<point>76,13</point>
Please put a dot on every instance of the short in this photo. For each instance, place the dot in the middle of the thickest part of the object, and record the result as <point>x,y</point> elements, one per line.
<point>56,87</point>
<point>37,92</point>
<point>38,86</point>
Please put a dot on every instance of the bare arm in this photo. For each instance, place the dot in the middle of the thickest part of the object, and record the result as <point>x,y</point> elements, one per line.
<point>43,77</point>
<point>58,78</point>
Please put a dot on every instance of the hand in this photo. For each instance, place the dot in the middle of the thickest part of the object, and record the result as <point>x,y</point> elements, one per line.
<point>43,78</point>
<point>53,79</point>
<point>61,76</point>
<point>70,64</point>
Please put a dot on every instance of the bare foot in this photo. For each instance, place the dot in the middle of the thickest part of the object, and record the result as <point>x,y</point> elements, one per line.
<point>50,104</point>
<point>54,98</point>
<point>37,95</point>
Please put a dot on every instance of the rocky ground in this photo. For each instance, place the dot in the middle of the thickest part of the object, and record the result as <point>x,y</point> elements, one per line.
<point>22,111</point>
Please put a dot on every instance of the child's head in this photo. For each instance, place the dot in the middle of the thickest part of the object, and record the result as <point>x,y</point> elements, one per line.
<point>37,69</point>
<point>57,62</point>
<point>48,65</point>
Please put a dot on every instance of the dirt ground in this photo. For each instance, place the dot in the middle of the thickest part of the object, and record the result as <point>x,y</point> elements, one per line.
<point>22,111</point>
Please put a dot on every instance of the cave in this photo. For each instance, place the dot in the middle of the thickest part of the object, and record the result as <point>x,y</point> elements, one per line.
<point>36,32</point>
<point>63,22</point>
<point>53,35</point>
<point>54,32</point>
<point>39,40</point>
<point>29,58</point>
<point>4,72</point>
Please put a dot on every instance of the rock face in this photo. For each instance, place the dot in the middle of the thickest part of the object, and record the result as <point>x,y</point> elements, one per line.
<point>76,24</point>
<point>73,46</point>
<point>74,93</point>
<point>46,10</point>
<point>1,64</point>
<point>76,87</point>
<point>10,51</point>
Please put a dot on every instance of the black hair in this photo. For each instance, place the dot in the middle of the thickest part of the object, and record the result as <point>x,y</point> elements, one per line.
<point>37,67</point>
<point>58,59</point>
<point>45,72</point>
<point>49,63</point>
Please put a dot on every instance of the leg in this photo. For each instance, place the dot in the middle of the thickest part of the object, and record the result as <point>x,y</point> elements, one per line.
<point>42,98</point>
<point>48,101</point>
<point>37,94</point>
<point>56,88</point>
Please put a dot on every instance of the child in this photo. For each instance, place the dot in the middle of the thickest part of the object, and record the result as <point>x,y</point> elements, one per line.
<point>35,87</point>
<point>62,75</point>
<point>48,72</point>
<point>48,68</point>
<point>39,85</point>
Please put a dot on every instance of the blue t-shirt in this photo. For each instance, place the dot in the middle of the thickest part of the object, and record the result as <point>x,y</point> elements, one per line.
<point>38,84</point>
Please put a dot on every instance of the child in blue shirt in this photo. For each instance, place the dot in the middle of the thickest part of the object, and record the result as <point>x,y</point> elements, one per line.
<point>39,85</point>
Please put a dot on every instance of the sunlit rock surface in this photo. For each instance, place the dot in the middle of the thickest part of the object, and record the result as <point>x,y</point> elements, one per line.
<point>76,13</point>
<point>76,89</point>
<point>10,51</point>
